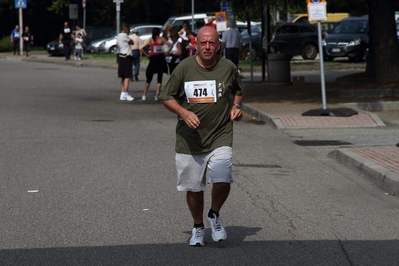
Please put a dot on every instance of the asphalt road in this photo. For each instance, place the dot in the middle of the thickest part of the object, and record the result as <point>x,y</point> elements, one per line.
<point>86,179</point>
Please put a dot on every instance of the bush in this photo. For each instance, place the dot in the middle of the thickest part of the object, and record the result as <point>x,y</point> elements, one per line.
<point>6,45</point>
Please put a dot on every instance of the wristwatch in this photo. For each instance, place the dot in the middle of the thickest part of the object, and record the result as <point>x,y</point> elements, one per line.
<point>237,105</point>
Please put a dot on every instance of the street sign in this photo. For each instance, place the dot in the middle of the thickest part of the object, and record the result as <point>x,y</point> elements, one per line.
<point>118,1</point>
<point>20,3</point>
<point>73,11</point>
<point>317,12</point>
<point>224,6</point>
<point>220,16</point>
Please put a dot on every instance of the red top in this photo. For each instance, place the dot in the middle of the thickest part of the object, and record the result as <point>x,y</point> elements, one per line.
<point>156,47</point>
<point>211,25</point>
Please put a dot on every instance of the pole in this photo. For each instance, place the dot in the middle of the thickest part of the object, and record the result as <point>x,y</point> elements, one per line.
<point>118,9</point>
<point>323,84</point>
<point>21,30</point>
<point>192,13</point>
<point>84,18</point>
<point>84,13</point>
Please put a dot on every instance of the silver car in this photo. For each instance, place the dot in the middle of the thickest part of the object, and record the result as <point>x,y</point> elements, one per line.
<point>109,45</point>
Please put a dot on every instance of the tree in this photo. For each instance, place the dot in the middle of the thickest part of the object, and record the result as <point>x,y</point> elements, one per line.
<point>383,59</point>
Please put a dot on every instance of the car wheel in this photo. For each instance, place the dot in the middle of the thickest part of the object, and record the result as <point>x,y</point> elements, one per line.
<point>309,51</point>
<point>112,50</point>
<point>247,52</point>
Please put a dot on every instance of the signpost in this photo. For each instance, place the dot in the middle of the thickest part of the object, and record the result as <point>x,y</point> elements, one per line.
<point>73,11</point>
<point>20,4</point>
<point>84,13</point>
<point>317,11</point>
<point>118,11</point>
<point>221,21</point>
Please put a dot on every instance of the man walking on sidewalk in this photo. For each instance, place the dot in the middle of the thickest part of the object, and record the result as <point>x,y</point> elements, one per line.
<point>125,62</point>
<point>15,35</point>
<point>232,42</point>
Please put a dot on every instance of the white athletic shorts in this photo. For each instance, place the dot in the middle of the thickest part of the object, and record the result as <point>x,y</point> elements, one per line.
<point>191,169</point>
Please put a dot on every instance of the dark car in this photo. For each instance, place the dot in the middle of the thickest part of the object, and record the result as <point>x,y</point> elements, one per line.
<point>296,39</point>
<point>55,48</point>
<point>256,41</point>
<point>349,38</point>
<point>397,28</point>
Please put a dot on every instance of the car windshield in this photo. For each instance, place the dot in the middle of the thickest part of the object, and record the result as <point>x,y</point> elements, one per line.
<point>255,30</point>
<point>169,21</point>
<point>350,27</point>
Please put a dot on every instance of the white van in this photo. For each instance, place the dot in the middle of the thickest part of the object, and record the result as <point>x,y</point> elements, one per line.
<point>177,21</point>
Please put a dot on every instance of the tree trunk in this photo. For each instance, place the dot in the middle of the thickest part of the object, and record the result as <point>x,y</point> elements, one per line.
<point>383,59</point>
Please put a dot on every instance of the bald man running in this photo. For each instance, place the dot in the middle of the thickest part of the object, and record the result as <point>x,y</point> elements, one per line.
<point>199,92</point>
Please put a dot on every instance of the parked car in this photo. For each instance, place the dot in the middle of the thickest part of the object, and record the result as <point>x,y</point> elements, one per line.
<point>296,39</point>
<point>256,42</point>
<point>108,45</point>
<point>349,38</point>
<point>397,29</point>
<point>177,21</point>
<point>54,48</point>
<point>242,25</point>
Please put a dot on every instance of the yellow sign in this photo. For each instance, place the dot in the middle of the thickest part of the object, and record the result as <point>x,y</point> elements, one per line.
<point>220,16</point>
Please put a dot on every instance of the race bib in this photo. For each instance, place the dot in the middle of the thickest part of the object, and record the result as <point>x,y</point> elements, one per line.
<point>67,30</point>
<point>201,91</point>
<point>158,49</point>
<point>26,39</point>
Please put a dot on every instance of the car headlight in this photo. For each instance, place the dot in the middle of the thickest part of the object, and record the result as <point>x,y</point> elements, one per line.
<point>323,42</point>
<point>102,44</point>
<point>354,42</point>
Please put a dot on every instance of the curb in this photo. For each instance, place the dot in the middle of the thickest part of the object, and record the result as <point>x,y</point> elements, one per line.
<point>381,176</point>
<point>265,117</point>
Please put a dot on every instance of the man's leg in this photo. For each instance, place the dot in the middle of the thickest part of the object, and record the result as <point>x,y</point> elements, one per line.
<point>125,84</point>
<point>66,51</point>
<point>220,192</point>
<point>195,202</point>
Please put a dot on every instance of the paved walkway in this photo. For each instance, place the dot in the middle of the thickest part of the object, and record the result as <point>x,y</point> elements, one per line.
<point>379,163</point>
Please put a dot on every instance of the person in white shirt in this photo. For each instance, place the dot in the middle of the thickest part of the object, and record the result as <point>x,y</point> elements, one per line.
<point>136,53</point>
<point>78,46</point>
<point>232,43</point>
<point>125,61</point>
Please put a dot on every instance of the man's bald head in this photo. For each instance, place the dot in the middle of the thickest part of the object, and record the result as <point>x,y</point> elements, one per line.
<point>209,31</point>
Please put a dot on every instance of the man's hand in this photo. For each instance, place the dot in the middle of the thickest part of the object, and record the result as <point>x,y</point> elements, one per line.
<point>191,119</point>
<point>235,114</point>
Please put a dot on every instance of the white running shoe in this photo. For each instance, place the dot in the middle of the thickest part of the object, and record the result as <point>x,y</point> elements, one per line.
<point>197,237</point>
<point>156,98</point>
<point>218,231</point>
<point>126,98</point>
<point>143,98</point>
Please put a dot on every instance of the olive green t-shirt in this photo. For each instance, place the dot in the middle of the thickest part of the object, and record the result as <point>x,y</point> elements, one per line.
<point>215,129</point>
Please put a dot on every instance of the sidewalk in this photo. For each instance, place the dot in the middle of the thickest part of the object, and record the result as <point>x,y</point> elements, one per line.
<point>282,107</point>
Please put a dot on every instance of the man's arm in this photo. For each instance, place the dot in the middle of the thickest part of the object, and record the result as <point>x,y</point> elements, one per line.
<point>236,113</point>
<point>190,118</point>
